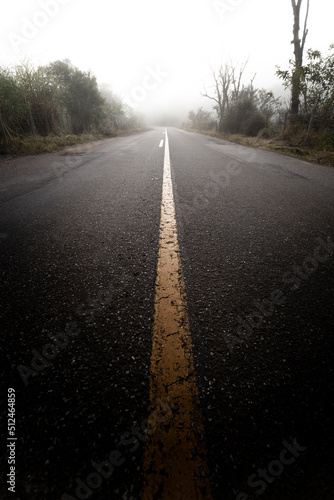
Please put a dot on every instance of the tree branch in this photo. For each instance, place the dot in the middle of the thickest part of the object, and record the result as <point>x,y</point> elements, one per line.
<point>305,25</point>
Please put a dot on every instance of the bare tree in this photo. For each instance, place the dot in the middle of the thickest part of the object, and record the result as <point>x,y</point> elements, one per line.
<point>227,86</point>
<point>236,79</point>
<point>299,45</point>
<point>221,87</point>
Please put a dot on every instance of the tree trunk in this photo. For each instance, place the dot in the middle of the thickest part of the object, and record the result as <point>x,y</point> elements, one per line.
<point>299,45</point>
<point>221,125</point>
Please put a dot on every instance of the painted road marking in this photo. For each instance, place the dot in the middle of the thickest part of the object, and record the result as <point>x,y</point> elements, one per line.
<point>175,456</point>
<point>161,143</point>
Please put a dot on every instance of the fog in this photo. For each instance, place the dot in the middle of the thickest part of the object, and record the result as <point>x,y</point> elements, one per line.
<point>157,55</point>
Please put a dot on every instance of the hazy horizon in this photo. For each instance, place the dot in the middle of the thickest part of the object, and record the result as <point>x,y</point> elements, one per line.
<point>157,56</point>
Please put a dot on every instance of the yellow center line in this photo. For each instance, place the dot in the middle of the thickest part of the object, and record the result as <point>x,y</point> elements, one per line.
<point>175,456</point>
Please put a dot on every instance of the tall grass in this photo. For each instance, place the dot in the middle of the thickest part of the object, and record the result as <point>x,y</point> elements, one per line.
<point>55,100</point>
<point>13,109</point>
<point>30,102</point>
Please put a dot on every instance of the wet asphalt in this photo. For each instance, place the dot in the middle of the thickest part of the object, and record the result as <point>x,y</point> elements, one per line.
<point>79,245</point>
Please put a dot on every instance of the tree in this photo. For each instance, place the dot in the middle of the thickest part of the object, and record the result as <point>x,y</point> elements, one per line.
<point>29,100</point>
<point>200,120</point>
<point>267,104</point>
<point>227,86</point>
<point>57,98</point>
<point>83,103</point>
<point>316,85</point>
<point>243,117</point>
<point>299,44</point>
<point>13,110</point>
<point>113,108</point>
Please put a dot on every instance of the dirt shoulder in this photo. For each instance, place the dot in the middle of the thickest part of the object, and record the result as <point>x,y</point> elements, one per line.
<point>25,173</point>
<point>277,146</point>
<point>34,145</point>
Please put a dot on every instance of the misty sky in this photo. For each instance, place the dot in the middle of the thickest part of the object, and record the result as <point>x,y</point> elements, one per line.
<point>155,54</point>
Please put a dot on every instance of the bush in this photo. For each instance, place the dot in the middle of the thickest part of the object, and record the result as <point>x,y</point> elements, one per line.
<point>320,139</point>
<point>253,124</point>
<point>108,131</point>
<point>201,120</point>
<point>55,99</point>
<point>244,118</point>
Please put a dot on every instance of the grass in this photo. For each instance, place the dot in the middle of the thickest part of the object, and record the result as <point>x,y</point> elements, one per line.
<point>35,144</point>
<point>315,153</point>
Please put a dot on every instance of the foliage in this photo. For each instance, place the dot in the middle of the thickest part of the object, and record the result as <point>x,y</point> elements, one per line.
<point>57,99</point>
<point>114,112</point>
<point>13,109</point>
<point>316,111</point>
<point>83,101</point>
<point>243,117</point>
<point>267,104</point>
<point>40,94</point>
<point>241,109</point>
<point>316,82</point>
<point>226,88</point>
<point>201,120</point>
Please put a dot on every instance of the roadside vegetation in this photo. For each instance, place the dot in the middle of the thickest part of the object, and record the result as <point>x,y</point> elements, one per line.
<point>303,127</point>
<point>49,107</point>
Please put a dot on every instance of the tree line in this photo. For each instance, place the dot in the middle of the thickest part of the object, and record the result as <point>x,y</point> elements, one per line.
<point>240,109</point>
<point>55,99</point>
<point>244,109</point>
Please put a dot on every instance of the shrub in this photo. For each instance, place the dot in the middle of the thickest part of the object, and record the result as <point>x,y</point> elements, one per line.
<point>244,118</point>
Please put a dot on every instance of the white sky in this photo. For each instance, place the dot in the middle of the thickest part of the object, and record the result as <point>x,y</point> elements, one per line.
<point>119,39</point>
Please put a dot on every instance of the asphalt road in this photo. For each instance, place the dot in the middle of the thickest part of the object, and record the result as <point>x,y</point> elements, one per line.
<point>79,238</point>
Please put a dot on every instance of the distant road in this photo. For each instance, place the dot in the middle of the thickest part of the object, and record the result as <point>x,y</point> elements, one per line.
<point>79,244</point>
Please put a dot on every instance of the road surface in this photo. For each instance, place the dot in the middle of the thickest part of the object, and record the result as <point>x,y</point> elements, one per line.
<point>254,250</point>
